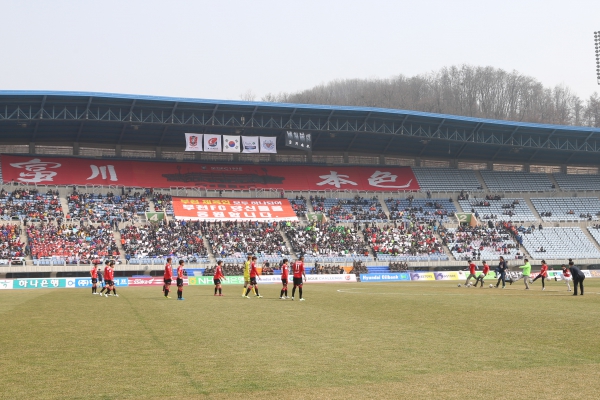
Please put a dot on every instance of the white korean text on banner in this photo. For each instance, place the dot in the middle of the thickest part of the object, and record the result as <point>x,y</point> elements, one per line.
<point>224,209</point>
<point>231,144</point>
<point>268,144</point>
<point>193,142</point>
<point>212,143</point>
<point>250,144</point>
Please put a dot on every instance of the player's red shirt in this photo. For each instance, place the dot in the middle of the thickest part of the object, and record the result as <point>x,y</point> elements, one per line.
<point>284,272</point>
<point>566,273</point>
<point>472,268</point>
<point>108,274</point>
<point>253,270</point>
<point>298,269</point>
<point>486,269</point>
<point>168,272</point>
<point>544,271</point>
<point>94,272</point>
<point>218,272</point>
<point>180,272</point>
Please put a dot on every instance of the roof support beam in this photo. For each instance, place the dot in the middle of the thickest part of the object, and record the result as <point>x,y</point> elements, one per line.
<point>37,123</point>
<point>328,118</point>
<point>389,143</point>
<point>352,142</point>
<point>87,109</point>
<point>502,145</point>
<point>172,116</point>
<point>460,151</point>
<point>125,125</point>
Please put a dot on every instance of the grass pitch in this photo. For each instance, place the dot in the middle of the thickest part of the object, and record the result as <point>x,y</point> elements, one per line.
<point>425,340</point>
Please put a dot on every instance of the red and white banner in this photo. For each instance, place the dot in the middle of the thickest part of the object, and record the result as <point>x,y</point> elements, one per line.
<point>268,144</point>
<point>312,278</point>
<point>80,171</point>
<point>193,142</point>
<point>221,209</point>
<point>212,143</point>
<point>153,281</point>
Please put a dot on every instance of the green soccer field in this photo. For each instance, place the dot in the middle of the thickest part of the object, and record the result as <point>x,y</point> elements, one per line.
<point>425,340</point>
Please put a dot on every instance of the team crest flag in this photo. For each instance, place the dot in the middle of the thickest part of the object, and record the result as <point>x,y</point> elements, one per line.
<point>231,144</point>
<point>212,143</point>
<point>193,142</point>
<point>250,144</point>
<point>268,144</point>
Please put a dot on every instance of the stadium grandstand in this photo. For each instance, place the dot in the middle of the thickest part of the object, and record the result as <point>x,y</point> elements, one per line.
<point>91,176</point>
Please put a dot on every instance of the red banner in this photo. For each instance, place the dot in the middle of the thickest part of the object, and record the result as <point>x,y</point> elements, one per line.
<point>222,209</point>
<point>80,171</point>
<point>154,281</point>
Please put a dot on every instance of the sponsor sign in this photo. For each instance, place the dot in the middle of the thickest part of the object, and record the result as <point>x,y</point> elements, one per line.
<point>87,282</point>
<point>387,277</point>
<point>225,209</point>
<point>208,280</point>
<point>446,276</point>
<point>422,276</point>
<point>212,143</point>
<point>79,171</point>
<point>594,273</point>
<point>44,283</point>
<point>6,284</point>
<point>155,216</point>
<point>268,144</point>
<point>150,281</point>
<point>250,144</point>
<point>193,142</point>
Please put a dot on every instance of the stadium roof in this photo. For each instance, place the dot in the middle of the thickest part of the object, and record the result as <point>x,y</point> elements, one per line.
<point>104,119</point>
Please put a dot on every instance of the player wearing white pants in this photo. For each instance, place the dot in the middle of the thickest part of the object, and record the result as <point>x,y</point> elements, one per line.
<point>567,276</point>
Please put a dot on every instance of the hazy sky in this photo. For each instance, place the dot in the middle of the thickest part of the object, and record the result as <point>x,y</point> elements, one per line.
<point>221,49</point>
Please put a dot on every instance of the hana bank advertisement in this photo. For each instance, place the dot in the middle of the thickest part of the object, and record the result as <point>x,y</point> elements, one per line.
<point>81,171</point>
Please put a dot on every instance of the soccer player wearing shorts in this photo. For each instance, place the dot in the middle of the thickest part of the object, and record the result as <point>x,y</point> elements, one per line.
<point>298,270</point>
<point>112,278</point>
<point>253,276</point>
<point>481,277</point>
<point>94,275</point>
<point>217,277</point>
<point>180,281</point>
<point>168,277</point>
<point>108,279</point>
<point>284,280</point>
<point>105,286</point>
<point>247,275</point>
<point>543,274</point>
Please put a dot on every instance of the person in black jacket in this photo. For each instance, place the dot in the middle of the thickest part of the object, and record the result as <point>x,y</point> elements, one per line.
<point>501,272</point>
<point>578,277</point>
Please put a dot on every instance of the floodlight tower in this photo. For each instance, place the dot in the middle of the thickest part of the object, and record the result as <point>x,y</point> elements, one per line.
<point>597,44</point>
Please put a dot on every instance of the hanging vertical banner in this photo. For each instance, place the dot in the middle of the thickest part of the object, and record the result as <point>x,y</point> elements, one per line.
<point>268,144</point>
<point>212,143</point>
<point>193,142</point>
<point>231,144</point>
<point>250,144</point>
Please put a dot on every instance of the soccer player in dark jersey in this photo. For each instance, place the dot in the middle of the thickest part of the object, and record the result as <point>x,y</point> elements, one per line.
<point>217,277</point>
<point>112,277</point>
<point>284,279</point>
<point>168,277</point>
<point>501,272</point>
<point>180,281</point>
<point>94,275</point>
<point>253,276</point>
<point>298,271</point>
<point>105,286</point>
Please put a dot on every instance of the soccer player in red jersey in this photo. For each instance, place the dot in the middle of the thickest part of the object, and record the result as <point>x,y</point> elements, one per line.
<point>108,279</point>
<point>168,277</point>
<point>180,281</point>
<point>298,270</point>
<point>112,278</point>
<point>481,277</point>
<point>253,275</point>
<point>284,279</point>
<point>105,286</point>
<point>217,277</point>
<point>543,274</point>
<point>472,271</point>
<point>94,275</point>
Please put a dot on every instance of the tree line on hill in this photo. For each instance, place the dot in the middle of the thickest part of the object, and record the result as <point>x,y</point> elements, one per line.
<point>481,92</point>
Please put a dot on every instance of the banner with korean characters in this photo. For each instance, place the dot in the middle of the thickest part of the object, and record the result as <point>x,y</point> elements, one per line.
<point>44,283</point>
<point>224,209</point>
<point>87,282</point>
<point>150,281</point>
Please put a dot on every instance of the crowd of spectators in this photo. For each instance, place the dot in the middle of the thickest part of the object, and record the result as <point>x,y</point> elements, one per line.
<point>30,204</point>
<point>358,267</point>
<point>398,266</point>
<point>163,202</point>
<point>106,208</point>
<point>419,210</point>
<point>404,239</point>
<point>238,238</point>
<point>10,242</point>
<point>299,206</point>
<point>228,270</point>
<point>467,242</point>
<point>181,239</point>
<point>325,239</point>
<point>328,269</point>
<point>71,243</point>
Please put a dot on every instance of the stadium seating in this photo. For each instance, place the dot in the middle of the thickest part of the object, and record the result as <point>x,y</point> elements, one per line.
<point>163,202</point>
<point>577,182</point>
<point>412,242</point>
<point>10,243</point>
<point>99,208</point>
<point>350,210</point>
<point>447,180</point>
<point>567,208</point>
<point>559,243</point>
<point>595,232</point>
<point>30,204</point>
<point>420,209</point>
<point>505,209</point>
<point>299,206</point>
<point>480,243</point>
<point>516,181</point>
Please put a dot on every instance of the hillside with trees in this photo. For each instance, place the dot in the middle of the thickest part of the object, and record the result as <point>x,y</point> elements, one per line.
<point>482,92</point>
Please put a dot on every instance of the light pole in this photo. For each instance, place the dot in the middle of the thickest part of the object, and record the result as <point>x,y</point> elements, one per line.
<point>597,45</point>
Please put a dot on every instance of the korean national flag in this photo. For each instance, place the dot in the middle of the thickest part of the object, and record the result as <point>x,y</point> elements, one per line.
<point>231,144</point>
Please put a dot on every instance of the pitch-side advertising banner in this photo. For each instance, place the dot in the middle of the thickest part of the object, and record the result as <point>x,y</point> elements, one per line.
<point>80,171</point>
<point>386,277</point>
<point>222,209</point>
<point>150,281</point>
